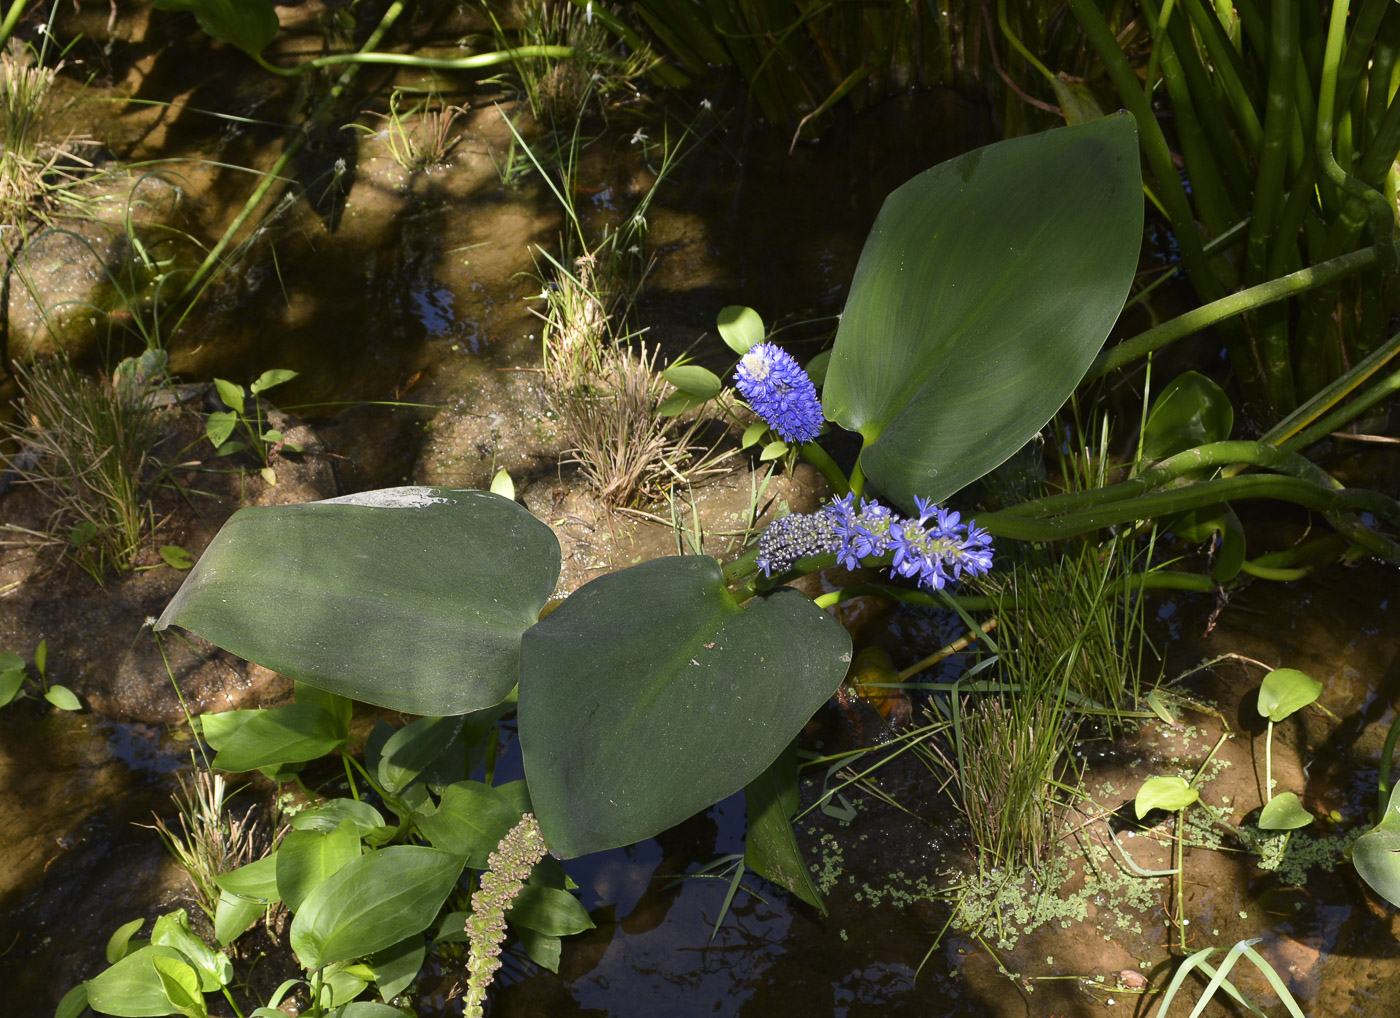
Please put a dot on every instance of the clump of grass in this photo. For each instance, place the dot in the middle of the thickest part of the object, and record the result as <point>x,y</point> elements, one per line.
<point>423,136</point>
<point>86,446</point>
<point>606,399</point>
<point>1010,751</point>
<point>35,172</point>
<point>557,89</point>
<point>210,840</point>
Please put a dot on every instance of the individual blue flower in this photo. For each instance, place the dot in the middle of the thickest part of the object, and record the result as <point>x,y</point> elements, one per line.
<point>932,548</point>
<point>861,533</point>
<point>779,391</point>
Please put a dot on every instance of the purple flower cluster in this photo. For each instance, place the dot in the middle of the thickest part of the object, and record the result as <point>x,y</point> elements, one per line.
<point>933,548</point>
<point>779,391</point>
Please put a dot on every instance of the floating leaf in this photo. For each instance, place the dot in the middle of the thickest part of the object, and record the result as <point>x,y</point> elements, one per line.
<point>741,328</point>
<point>984,291</point>
<point>1285,690</point>
<point>687,699</point>
<point>1170,794</point>
<point>409,598</point>
<point>1284,813</point>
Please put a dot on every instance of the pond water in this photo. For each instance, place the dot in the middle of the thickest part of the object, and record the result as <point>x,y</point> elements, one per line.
<point>417,291</point>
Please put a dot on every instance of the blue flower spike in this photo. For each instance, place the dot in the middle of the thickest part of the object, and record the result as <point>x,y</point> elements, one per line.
<point>935,547</point>
<point>780,392</point>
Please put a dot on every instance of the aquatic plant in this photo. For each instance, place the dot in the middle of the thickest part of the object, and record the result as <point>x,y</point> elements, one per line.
<point>14,675</point>
<point>509,867</point>
<point>1287,129</point>
<point>779,391</point>
<point>86,446</point>
<point>246,416</point>
<point>422,137</point>
<point>649,693</point>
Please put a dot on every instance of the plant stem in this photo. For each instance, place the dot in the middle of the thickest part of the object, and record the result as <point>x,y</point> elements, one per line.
<point>821,459</point>
<point>471,63</point>
<point>12,17</point>
<point>1245,300</point>
<point>1269,763</point>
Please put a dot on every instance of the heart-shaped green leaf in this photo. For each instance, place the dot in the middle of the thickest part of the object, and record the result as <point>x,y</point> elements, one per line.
<point>1285,690</point>
<point>1376,854</point>
<point>1192,410</point>
<point>650,694</point>
<point>1170,794</point>
<point>985,289</point>
<point>741,328</point>
<point>409,598</point>
<point>251,25</point>
<point>1284,813</point>
<point>471,820</point>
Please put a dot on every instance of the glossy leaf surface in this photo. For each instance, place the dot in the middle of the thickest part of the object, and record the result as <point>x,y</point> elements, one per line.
<point>372,903</point>
<point>305,858</point>
<point>292,734</point>
<point>248,24</point>
<point>1376,854</point>
<point>470,821</point>
<point>985,289</point>
<point>1170,794</point>
<point>409,598</point>
<point>1192,410</point>
<point>1285,690</point>
<point>650,694</point>
<point>1284,812</point>
<point>132,987</point>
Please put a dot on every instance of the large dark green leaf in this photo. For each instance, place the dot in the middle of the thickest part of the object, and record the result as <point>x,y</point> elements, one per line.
<point>248,24</point>
<point>305,858</point>
<point>985,289</point>
<point>650,694</point>
<point>292,734</point>
<point>372,903</point>
<point>410,598</point>
<point>770,848</point>
<point>471,821</point>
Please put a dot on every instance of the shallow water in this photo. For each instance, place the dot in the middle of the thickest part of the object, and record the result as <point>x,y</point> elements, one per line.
<point>420,295</point>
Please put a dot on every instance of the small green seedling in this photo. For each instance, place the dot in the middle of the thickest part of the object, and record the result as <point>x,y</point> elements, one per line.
<point>502,485</point>
<point>247,418</point>
<point>1173,794</point>
<point>13,674</point>
<point>1284,691</point>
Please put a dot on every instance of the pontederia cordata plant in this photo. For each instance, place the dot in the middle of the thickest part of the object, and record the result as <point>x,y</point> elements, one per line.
<point>984,293</point>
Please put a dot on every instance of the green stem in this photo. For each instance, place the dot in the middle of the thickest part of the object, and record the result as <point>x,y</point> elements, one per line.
<point>1208,314</point>
<point>821,459</point>
<point>12,16</point>
<point>1344,415</point>
<point>857,479</point>
<point>1269,763</point>
<point>350,777</point>
<point>471,63</point>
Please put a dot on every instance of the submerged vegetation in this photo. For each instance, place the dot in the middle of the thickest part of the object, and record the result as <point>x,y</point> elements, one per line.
<point>936,440</point>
